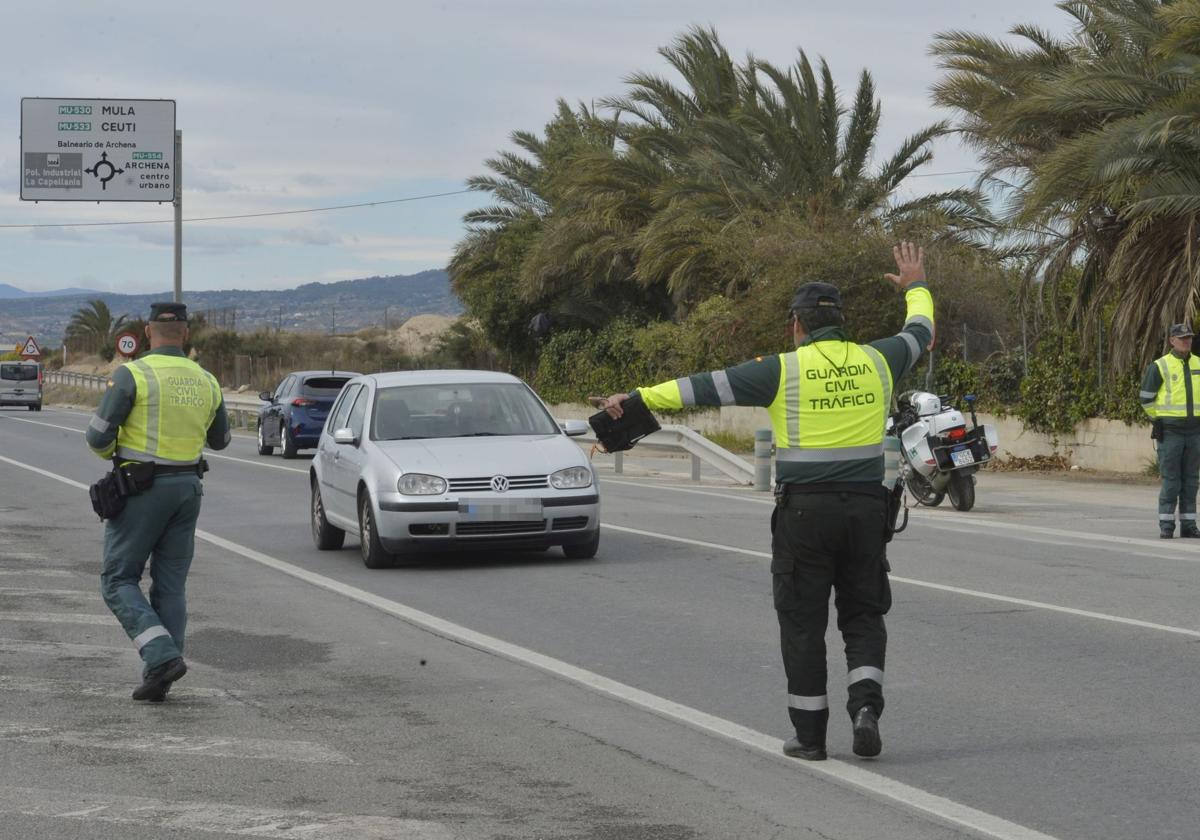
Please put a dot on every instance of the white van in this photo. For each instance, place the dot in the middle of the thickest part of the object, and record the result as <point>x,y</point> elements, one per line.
<point>21,384</point>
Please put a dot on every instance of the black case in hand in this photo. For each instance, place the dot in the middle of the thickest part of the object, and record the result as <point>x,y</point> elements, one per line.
<point>622,434</point>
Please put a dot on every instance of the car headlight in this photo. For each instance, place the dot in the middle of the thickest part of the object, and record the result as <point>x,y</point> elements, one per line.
<point>419,484</point>
<point>571,478</point>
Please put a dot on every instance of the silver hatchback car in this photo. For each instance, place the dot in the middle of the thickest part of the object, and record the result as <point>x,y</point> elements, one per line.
<point>422,461</point>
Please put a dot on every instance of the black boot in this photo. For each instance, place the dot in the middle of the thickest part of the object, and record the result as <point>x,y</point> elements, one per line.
<point>158,679</point>
<point>1166,532</point>
<point>808,752</point>
<point>1188,530</point>
<point>866,733</point>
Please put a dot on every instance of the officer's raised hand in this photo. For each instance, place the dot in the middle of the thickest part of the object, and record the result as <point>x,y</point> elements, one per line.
<point>910,262</point>
<point>611,404</point>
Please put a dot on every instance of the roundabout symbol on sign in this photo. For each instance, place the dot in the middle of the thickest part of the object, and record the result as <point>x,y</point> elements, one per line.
<point>127,344</point>
<point>113,171</point>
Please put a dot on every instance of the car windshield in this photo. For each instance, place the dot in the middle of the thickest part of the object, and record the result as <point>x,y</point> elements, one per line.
<point>20,373</point>
<point>461,410</point>
<point>324,386</point>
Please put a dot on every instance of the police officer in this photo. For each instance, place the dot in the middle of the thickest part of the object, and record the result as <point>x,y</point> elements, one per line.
<point>161,409</point>
<point>1168,394</point>
<point>828,401</point>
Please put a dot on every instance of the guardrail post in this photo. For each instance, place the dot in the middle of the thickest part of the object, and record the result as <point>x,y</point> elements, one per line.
<point>619,462</point>
<point>695,467</point>
<point>762,459</point>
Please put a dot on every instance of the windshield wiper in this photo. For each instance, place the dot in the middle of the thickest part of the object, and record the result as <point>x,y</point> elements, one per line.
<point>410,437</point>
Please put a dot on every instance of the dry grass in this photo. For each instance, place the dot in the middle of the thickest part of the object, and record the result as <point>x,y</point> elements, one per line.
<point>70,395</point>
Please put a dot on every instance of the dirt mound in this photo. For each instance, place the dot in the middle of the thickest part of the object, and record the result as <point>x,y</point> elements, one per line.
<point>419,334</point>
<point>93,365</point>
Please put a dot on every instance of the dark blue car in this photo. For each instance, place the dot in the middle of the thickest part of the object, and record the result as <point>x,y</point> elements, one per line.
<point>295,413</point>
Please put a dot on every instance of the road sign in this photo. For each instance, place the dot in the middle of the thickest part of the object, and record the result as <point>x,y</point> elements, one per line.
<point>31,349</point>
<point>98,149</point>
<point>127,344</point>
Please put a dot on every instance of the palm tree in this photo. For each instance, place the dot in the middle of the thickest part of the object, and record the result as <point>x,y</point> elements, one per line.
<point>95,327</point>
<point>1094,139</point>
<point>735,143</point>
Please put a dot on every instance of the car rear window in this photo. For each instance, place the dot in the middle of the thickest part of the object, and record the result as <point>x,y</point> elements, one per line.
<point>20,373</point>
<point>324,386</point>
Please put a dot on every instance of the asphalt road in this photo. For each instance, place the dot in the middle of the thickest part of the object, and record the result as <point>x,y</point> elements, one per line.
<point>1041,673</point>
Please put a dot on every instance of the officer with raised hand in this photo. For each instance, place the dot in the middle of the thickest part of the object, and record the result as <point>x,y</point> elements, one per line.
<point>1169,397</point>
<point>828,401</point>
<point>155,418</point>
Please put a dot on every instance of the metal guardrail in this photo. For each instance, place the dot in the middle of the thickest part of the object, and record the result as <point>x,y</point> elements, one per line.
<point>243,412</point>
<point>70,378</point>
<point>682,439</point>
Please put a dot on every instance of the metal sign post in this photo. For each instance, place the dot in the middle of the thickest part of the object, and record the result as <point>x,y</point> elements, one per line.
<point>178,217</point>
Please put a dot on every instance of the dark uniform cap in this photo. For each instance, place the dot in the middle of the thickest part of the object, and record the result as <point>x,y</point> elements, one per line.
<point>168,312</point>
<point>1181,331</point>
<point>812,295</point>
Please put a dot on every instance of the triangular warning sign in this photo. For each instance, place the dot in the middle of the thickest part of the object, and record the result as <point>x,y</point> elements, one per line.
<point>31,348</point>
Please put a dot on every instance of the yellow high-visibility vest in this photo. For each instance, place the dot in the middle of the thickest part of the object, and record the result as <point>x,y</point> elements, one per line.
<point>832,403</point>
<point>1171,400</point>
<point>174,404</point>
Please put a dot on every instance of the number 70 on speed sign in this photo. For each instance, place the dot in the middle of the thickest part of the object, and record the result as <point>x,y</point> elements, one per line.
<point>127,344</point>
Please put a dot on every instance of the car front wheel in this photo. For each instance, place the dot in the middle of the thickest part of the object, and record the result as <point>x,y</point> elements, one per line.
<point>585,550</point>
<point>373,554</point>
<point>327,537</point>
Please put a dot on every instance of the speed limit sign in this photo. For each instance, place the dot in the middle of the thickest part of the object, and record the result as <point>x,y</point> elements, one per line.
<point>127,344</point>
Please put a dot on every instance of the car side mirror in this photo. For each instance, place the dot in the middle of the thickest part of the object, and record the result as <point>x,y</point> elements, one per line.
<point>265,396</point>
<point>344,436</point>
<point>574,428</point>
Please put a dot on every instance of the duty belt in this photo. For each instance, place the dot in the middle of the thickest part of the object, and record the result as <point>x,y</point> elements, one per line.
<point>865,488</point>
<point>198,469</point>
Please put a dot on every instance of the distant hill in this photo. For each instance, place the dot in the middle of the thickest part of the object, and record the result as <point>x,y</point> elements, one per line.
<point>7,292</point>
<point>313,307</point>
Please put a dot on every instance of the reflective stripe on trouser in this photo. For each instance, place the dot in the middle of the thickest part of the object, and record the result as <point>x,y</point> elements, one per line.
<point>159,526</point>
<point>1179,466</point>
<point>819,542</point>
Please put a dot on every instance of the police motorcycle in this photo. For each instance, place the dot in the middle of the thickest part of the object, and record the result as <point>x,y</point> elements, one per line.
<point>939,455</point>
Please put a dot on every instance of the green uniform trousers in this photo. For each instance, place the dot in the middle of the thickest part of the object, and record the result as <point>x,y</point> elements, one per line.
<point>822,541</point>
<point>160,526</point>
<point>1179,466</point>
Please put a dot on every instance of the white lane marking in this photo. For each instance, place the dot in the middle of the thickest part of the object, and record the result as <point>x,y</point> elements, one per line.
<point>218,818</point>
<point>301,752</point>
<point>41,423</point>
<point>929,518</point>
<point>40,685</point>
<point>208,453</point>
<point>924,584</point>
<point>905,795</point>
<point>51,651</point>
<point>58,618</point>
<point>36,573</point>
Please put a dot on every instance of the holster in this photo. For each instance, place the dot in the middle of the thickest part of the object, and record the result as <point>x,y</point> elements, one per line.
<point>895,504</point>
<point>110,493</point>
<point>1156,430</point>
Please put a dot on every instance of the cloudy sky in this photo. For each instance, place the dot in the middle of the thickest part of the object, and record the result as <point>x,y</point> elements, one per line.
<point>299,105</point>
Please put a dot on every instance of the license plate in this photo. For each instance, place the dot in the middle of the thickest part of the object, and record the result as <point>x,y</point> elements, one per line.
<point>507,510</point>
<point>962,458</point>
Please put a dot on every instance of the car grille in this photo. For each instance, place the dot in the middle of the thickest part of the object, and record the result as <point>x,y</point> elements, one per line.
<point>515,482</point>
<point>479,529</point>
<point>569,523</point>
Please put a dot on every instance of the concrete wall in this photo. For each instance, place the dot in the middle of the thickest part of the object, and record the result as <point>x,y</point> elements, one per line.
<point>1095,445</point>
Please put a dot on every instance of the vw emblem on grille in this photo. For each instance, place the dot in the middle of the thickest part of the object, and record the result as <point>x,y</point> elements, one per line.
<point>500,483</point>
